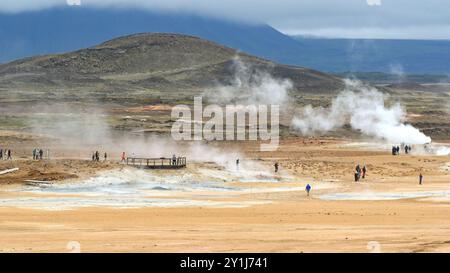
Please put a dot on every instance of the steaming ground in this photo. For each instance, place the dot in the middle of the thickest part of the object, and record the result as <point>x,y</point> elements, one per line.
<point>364,109</point>
<point>431,149</point>
<point>214,206</point>
<point>200,185</point>
<point>113,208</point>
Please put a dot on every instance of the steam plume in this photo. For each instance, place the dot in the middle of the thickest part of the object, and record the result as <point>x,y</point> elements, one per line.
<point>365,110</point>
<point>251,86</point>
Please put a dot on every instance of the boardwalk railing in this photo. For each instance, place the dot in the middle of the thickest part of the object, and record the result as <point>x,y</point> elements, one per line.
<point>157,163</point>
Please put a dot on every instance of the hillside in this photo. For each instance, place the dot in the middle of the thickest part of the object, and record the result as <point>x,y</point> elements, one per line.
<point>64,29</point>
<point>134,80</point>
<point>145,64</point>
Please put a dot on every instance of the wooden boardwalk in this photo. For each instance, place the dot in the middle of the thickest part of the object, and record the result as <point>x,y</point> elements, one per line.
<point>157,163</point>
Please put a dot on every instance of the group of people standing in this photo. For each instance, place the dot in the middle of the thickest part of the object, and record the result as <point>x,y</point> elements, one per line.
<point>38,154</point>
<point>396,149</point>
<point>96,156</point>
<point>360,173</point>
<point>407,149</point>
<point>5,154</point>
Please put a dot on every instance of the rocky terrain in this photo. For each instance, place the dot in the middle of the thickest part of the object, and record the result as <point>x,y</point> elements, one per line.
<point>133,81</point>
<point>143,66</point>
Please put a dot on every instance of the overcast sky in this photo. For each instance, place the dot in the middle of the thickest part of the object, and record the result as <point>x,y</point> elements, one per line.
<point>417,19</point>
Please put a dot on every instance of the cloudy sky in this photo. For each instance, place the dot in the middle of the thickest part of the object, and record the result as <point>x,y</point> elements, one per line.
<point>417,19</point>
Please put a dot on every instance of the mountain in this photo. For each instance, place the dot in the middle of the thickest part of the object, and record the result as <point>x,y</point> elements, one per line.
<point>149,63</point>
<point>71,28</point>
<point>64,29</point>
<point>395,57</point>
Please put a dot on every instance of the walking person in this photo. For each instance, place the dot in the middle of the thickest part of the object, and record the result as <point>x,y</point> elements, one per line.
<point>364,171</point>
<point>123,157</point>
<point>420,179</point>
<point>308,189</point>
<point>237,164</point>
<point>9,155</point>
<point>105,157</point>
<point>276,167</point>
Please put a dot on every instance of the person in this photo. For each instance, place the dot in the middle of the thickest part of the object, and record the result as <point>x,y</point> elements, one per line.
<point>420,179</point>
<point>1,153</point>
<point>41,154</point>
<point>123,157</point>
<point>276,167</point>
<point>408,150</point>
<point>394,150</point>
<point>97,156</point>
<point>358,170</point>
<point>34,154</point>
<point>9,154</point>
<point>105,156</point>
<point>398,150</point>
<point>357,173</point>
<point>364,170</point>
<point>308,189</point>
<point>237,164</point>
<point>93,156</point>
<point>174,159</point>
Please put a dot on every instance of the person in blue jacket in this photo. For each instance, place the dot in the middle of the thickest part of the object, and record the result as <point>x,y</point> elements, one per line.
<point>308,189</point>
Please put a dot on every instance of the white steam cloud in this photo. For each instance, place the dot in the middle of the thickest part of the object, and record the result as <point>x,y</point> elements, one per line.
<point>75,125</point>
<point>251,86</point>
<point>365,110</point>
<point>78,131</point>
<point>397,70</point>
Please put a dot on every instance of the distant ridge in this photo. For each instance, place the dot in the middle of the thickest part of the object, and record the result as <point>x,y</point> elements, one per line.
<point>60,30</point>
<point>396,57</point>
<point>146,62</point>
<point>65,29</point>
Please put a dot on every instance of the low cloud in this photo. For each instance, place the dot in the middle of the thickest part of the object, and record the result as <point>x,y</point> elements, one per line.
<point>350,18</point>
